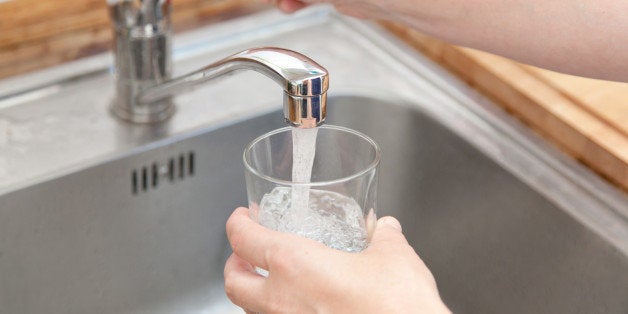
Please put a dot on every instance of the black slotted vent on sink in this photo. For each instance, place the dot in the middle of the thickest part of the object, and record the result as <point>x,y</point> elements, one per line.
<point>173,169</point>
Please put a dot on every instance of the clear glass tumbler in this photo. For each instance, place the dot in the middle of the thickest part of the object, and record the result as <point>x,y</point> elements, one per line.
<point>335,205</point>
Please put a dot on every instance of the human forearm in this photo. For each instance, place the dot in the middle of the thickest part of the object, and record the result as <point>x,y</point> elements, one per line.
<point>582,37</point>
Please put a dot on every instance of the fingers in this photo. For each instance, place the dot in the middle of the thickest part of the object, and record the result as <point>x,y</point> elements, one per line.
<point>389,221</point>
<point>243,285</point>
<point>290,6</point>
<point>387,230</point>
<point>248,239</point>
<point>259,245</point>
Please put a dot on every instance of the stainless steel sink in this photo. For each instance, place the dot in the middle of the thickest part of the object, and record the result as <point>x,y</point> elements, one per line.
<point>99,216</point>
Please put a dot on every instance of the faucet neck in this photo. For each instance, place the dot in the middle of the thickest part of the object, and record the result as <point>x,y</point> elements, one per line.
<point>304,82</point>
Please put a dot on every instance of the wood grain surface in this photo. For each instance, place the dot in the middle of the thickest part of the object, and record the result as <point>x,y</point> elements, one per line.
<point>35,34</point>
<point>586,118</point>
<point>606,100</point>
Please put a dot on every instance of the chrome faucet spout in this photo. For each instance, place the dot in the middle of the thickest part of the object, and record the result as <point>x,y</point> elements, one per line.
<point>143,66</point>
<point>304,81</point>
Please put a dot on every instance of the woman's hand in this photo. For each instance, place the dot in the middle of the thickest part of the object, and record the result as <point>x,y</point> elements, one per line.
<point>356,8</point>
<point>308,277</point>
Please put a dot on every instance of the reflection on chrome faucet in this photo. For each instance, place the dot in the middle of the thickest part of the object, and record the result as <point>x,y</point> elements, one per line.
<point>143,66</point>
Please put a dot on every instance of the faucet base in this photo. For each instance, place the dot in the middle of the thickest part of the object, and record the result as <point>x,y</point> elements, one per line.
<point>156,112</point>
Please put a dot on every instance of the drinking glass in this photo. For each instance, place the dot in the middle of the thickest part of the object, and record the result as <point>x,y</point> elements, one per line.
<point>336,205</point>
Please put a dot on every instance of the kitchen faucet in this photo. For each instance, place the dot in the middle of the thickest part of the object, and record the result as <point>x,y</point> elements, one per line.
<point>144,88</point>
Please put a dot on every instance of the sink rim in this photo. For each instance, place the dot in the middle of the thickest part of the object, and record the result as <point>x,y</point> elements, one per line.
<point>573,187</point>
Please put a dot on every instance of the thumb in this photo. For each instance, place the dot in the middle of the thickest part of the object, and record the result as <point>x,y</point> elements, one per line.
<point>387,230</point>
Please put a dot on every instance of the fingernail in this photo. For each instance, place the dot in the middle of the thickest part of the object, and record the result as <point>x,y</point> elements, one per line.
<point>391,222</point>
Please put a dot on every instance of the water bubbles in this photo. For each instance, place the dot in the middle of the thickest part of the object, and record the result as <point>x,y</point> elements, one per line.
<point>331,218</point>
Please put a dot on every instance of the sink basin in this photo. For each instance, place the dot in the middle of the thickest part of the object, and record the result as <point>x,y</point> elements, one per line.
<point>98,216</point>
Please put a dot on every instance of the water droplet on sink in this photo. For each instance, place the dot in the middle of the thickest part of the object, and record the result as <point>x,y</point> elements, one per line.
<point>12,131</point>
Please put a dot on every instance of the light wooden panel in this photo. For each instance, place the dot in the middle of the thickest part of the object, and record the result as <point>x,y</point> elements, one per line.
<point>586,118</point>
<point>39,33</point>
<point>606,100</point>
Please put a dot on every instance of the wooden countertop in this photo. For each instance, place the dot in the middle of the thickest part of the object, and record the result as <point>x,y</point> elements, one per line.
<point>586,118</point>
<point>39,33</point>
